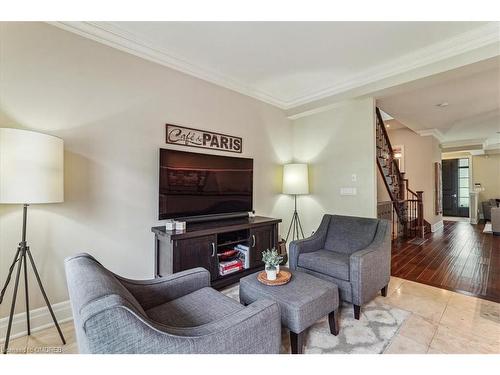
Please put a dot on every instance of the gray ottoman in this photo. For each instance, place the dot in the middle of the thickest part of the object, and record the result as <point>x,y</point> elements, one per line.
<point>303,301</point>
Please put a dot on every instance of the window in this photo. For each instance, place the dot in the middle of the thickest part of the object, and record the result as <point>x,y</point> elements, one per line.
<point>463,182</point>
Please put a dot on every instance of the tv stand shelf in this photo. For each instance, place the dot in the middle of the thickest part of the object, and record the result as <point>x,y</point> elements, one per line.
<point>232,243</point>
<point>198,246</point>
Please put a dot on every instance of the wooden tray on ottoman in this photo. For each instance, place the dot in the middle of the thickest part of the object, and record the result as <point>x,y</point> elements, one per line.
<point>281,278</point>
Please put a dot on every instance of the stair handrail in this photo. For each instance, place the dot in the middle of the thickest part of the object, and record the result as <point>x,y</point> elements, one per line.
<point>386,137</point>
<point>401,202</point>
<point>394,199</point>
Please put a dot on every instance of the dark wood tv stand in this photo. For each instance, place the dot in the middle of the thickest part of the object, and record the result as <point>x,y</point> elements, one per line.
<point>199,244</point>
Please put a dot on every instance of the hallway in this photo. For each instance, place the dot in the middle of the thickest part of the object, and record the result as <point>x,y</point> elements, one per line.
<point>458,257</point>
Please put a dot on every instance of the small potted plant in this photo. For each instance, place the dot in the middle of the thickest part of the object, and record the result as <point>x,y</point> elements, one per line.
<point>272,261</point>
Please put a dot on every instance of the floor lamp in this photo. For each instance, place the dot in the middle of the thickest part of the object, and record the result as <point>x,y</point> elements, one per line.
<point>31,172</point>
<point>295,182</point>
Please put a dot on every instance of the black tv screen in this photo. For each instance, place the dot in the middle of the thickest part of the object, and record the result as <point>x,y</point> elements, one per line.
<point>193,184</point>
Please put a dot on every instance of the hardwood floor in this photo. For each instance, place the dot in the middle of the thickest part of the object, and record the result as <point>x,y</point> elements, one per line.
<point>459,257</point>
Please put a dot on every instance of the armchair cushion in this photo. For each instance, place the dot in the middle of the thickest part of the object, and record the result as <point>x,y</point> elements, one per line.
<point>191,310</point>
<point>154,292</point>
<point>326,262</point>
<point>349,234</point>
<point>307,245</point>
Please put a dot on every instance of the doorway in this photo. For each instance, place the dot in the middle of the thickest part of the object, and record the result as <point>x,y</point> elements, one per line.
<point>456,178</point>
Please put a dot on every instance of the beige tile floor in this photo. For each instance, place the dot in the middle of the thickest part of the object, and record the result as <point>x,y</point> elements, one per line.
<point>440,322</point>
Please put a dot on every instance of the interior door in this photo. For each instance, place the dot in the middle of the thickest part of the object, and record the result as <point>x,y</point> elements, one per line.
<point>261,239</point>
<point>198,252</point>
<point>463,187</point>
<point>450,187</point>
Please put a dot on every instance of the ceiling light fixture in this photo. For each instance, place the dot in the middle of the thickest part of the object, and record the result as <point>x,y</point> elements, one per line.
<point>443,104</point>
<point>387,125</point>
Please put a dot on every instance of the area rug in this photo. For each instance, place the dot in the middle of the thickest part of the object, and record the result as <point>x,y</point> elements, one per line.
<point>378,324</point>
<point>487,228</point>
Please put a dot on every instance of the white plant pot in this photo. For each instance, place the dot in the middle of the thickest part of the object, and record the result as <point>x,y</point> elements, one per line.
<point>271,275</point>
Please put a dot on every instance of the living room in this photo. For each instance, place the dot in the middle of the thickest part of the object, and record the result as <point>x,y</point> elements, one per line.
<point>248,147</point>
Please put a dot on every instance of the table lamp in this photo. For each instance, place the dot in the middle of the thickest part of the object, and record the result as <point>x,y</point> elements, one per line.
<point>295,182</point>
<point>31,172</point>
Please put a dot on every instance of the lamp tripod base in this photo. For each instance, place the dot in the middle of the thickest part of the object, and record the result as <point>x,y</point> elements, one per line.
<point>295,225</point>
<point>22,255</point>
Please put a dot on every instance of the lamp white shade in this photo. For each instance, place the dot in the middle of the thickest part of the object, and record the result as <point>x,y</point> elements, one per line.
<point>295,179</point>
<point>31,167</point>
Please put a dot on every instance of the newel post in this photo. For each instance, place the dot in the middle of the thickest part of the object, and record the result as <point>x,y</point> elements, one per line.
<point>420,214</point>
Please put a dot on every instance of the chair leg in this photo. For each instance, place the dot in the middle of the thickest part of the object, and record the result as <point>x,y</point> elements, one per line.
<point>296,342</point>
<point>384,291</point>
<point>357,310</point>
<point>333,321</point>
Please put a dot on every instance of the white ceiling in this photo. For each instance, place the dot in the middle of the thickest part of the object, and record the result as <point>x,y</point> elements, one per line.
<point>290,63</point>
<point>472,116</point>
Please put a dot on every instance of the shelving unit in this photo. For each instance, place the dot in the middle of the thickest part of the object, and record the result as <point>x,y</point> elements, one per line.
<point>201,243</point>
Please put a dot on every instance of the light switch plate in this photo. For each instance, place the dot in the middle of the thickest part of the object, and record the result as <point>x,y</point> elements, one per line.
<point>354,177</point>
<point>348,191</point>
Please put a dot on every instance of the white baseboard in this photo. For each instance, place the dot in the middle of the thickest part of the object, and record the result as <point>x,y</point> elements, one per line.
<point>39,319</point>
<point>436,226</point>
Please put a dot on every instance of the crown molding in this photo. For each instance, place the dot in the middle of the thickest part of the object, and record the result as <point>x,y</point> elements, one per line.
<point>477,152</point>
<point>492,143</point>
<point>478,143</point>
<point>319,109</point>
<point>436,133</point>
<point>451,47</point>
<point>474,147</point>
<point>118,38</point>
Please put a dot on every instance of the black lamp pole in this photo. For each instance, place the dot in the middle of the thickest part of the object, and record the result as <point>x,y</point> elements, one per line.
<point>21,259</point>
<point>295,224</point>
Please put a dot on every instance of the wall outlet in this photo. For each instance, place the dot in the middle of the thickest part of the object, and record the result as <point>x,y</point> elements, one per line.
<point>348,191</point>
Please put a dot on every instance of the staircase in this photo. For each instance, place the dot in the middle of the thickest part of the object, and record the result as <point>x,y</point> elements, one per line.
<point>406,207</point>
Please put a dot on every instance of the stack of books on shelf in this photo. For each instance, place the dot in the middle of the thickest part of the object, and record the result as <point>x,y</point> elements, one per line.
<point>233,259</point>
<point>229,261</point>
<point>243,251</point>
<point>230,266</point>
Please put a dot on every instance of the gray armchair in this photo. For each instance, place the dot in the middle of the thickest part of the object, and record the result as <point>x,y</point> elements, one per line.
<point>352,252</point>
<point>175,314</point>
<point>487,206</point>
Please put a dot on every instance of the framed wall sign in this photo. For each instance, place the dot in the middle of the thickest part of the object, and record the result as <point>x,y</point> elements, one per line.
<point>183,136</point>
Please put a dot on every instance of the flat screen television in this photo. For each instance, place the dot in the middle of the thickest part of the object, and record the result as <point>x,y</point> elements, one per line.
<point>194,185</point>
